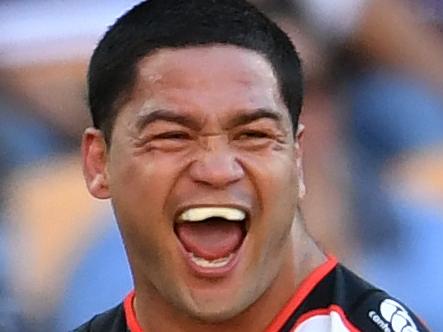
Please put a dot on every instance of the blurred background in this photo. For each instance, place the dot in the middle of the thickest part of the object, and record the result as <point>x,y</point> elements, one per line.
<point>373,152</point>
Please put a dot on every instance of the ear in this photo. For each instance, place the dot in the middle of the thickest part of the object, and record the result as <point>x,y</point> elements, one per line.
<point>94,163</point>
<point>298,149</point>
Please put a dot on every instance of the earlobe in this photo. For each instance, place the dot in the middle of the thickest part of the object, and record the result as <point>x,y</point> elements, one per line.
<point>94,163</point>
<point>298,147</point>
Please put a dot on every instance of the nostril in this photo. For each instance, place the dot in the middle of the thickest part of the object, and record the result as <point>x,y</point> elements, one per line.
<point>217,170</point>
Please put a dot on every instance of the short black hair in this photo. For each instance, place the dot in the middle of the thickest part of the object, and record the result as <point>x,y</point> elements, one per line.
<point>156,24</point>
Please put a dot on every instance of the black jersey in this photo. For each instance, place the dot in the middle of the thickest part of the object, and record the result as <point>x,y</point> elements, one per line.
<point>330,299</point>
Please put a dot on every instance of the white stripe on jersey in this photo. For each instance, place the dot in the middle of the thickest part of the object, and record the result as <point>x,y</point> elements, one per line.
<point>332,322</point>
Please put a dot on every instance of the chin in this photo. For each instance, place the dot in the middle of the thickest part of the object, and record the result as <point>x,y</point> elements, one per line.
<point>214,308</point>
<point>216,313</point>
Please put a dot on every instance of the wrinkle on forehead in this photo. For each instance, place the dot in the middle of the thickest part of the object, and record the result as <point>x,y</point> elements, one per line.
<point>172,61</point>
<point>188,68</point>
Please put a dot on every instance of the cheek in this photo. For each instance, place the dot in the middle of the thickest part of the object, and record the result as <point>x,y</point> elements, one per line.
<point>145,177</point>
<point>139,187</point>
<point>133,183</point>
<point>276,181</point>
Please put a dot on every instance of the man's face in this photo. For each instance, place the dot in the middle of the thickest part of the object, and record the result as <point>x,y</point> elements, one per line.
<point>204,176</point>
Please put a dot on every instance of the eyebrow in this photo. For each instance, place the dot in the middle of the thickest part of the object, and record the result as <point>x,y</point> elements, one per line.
<point>251,116</point>
<point>144,120</point>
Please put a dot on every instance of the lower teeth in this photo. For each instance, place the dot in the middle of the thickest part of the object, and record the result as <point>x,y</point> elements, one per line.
<point>219,262</point>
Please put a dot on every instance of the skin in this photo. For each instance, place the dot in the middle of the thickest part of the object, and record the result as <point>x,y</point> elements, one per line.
<point>205,126</point>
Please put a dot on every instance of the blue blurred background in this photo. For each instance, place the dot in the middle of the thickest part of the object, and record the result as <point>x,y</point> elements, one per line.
<point>373,152</point>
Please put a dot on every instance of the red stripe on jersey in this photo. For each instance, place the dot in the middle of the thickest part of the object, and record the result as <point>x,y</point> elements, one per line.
<point>326,312</point>
<point>301,293</point>
<point>131,319</point>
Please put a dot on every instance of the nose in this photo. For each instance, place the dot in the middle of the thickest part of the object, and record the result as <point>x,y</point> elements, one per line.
<point>216,165</point>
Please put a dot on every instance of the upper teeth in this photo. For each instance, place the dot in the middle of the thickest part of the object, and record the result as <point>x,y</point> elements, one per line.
<point>202,213</point>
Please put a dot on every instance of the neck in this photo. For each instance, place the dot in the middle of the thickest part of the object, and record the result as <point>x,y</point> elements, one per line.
<point>154,314</point>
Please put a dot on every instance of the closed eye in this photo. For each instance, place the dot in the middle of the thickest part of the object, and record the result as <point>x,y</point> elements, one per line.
<point>251,134</point>
<point>172,135</point>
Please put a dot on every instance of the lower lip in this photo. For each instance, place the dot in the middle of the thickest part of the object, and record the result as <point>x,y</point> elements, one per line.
<point>212,272</point>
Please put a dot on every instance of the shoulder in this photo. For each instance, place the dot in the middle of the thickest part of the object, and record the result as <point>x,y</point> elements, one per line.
<point>112,320</point>
<point>343,302</point>
<point>371,309</point>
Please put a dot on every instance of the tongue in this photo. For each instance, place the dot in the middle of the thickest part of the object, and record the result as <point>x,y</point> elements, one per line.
<point>212,239</point>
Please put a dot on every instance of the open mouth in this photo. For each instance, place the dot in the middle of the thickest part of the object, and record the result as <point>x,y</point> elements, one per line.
<point>211,236</point>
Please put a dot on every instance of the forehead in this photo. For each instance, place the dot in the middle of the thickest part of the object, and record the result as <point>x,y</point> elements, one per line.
<point>207,75</point>
<point>220,59</point>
